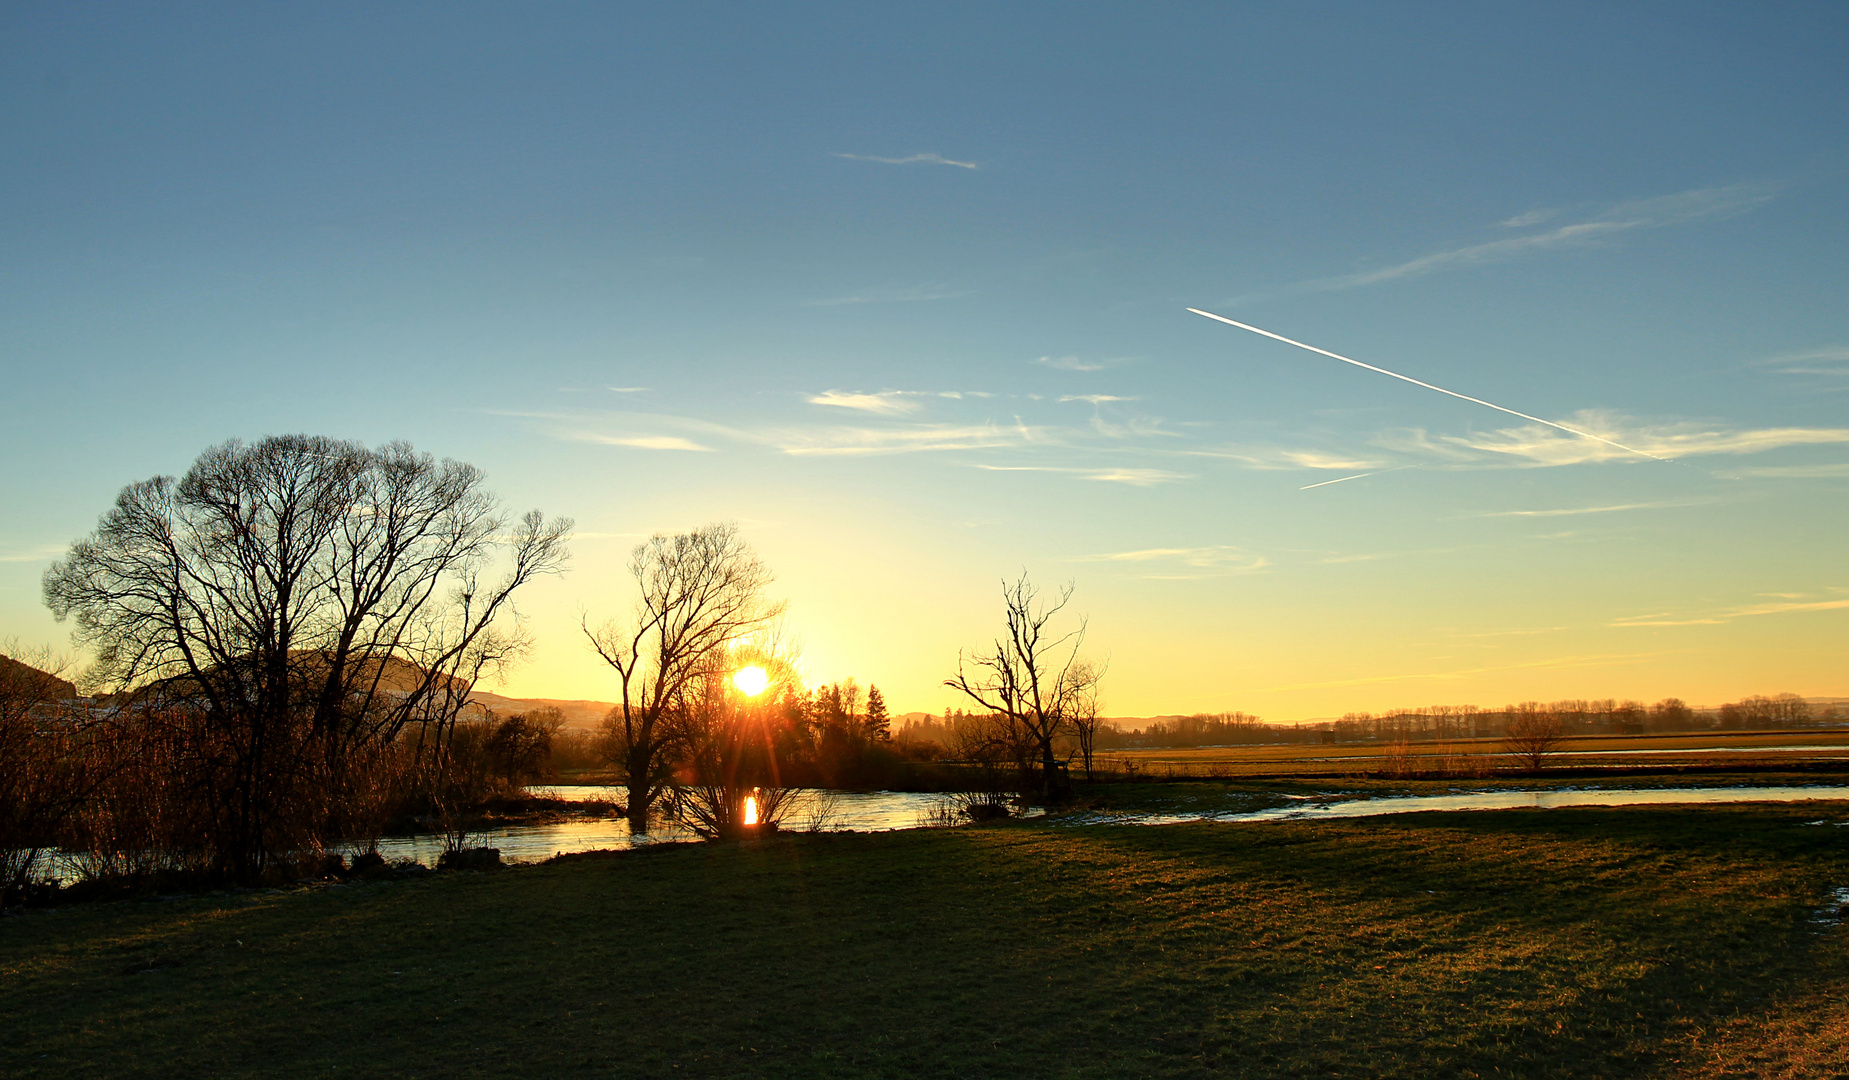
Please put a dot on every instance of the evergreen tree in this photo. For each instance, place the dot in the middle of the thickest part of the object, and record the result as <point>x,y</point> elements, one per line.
<point>878,724</point>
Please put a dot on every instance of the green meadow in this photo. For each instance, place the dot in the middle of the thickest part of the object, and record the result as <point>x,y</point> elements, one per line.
<point>1644,942</point>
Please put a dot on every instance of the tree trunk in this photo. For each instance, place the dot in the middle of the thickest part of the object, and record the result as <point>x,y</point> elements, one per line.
<point>1052,789</point>
<point>637,810</point>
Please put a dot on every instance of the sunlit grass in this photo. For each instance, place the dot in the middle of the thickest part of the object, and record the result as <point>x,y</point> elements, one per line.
<point>1594,942</point>
<point>1718,749</point>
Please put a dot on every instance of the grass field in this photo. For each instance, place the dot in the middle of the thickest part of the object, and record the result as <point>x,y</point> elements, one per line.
<point>1714,749</point>
<point>1592,943</point>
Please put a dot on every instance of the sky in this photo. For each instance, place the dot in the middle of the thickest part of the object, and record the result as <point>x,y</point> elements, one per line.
<point>902,290</point>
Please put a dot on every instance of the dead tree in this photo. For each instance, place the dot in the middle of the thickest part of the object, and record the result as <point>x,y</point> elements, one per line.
<point>1032,676</point>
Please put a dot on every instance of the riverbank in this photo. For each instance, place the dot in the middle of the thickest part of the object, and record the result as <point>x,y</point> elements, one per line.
<point>1583,942</point>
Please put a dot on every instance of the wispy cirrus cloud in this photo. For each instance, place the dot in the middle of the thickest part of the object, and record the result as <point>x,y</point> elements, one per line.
<point>640,442</point>
<point>1832,362</point>
<point>1075,363</point>
<point>1284,458</point>
<point>1637,215</point>
<point>1529,219</point>
<point>891,402</point>
<point>1109,474</point>
<point>1187,562</point>
<point>1093,399</point>
<point>1576,511</point>
<point>894,294</point>
<point>911,159</point>
<point>903,439</point>
<point>1535,446</point>
<point>1788,604</point>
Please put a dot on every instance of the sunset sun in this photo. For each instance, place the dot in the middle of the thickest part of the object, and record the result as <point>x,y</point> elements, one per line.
<point>751,680</point>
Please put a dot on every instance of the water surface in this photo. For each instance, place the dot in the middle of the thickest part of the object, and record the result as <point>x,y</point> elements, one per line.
<point>1317,808</point>
<point>874,811</point>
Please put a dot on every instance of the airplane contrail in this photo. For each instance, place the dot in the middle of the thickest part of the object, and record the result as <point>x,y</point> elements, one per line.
<point>1337,480</point>
<point>1429,386</point>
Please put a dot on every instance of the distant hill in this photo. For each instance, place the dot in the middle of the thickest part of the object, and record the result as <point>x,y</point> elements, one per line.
<point>31,683</point>
<point>578,714</point>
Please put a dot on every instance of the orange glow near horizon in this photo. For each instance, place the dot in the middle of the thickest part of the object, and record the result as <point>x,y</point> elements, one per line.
<point>751,809</point>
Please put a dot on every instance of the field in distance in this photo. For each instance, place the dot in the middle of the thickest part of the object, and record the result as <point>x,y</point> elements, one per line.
<point>1742,749</point>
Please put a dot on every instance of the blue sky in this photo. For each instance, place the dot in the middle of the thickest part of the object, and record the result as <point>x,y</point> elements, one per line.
<point>903,293</point>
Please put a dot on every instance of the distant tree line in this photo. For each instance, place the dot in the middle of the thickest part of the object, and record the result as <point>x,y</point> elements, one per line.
<point>1608,716</point>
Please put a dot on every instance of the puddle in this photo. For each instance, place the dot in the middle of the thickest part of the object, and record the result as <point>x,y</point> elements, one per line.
<point>1832,912</point>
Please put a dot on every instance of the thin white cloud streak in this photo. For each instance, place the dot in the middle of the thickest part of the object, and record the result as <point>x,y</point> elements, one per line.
<point>1272,458</point>
<point>898,294</point>
<point>890,402</point>
<point>641,442</point>
<point>1532,217</point>
<point>1114,475</point>
<point>1426,385</point>
<point>913,159</point>
<point>1578,510</point>
<point>1719,618</point>
<point>1222,558</point>
<point>1639,215</point>
<point>1803,363</point>
<point>901,440</point>
<point>1533,447</point>
<point>627,389</point>
<point>1093,399</point>
<point>1070,363</point>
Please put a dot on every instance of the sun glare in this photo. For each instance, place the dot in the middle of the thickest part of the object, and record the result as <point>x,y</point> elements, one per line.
<point>751,681</point>
<point>751,801</point>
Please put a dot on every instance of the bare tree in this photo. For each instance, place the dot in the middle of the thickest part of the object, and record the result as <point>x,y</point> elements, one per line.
<point>306,597</point>
<point>1032,676</point>
<point>1081,699</point>
<point>1533,733</point>
<point>700,593</point>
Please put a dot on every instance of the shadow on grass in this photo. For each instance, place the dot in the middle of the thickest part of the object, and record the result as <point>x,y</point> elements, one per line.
<point>1588,942</point>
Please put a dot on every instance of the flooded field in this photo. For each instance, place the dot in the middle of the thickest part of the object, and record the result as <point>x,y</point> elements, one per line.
<point>1333,805</point>
<point>874,811</point>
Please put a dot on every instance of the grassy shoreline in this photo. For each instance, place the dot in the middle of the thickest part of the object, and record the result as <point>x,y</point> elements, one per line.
<point>1583,942</point>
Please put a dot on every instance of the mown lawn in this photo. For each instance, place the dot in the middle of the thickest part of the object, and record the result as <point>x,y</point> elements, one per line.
<point>1585,942</point>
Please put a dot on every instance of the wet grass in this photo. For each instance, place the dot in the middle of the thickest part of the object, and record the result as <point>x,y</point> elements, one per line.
<point>1586,942</point>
